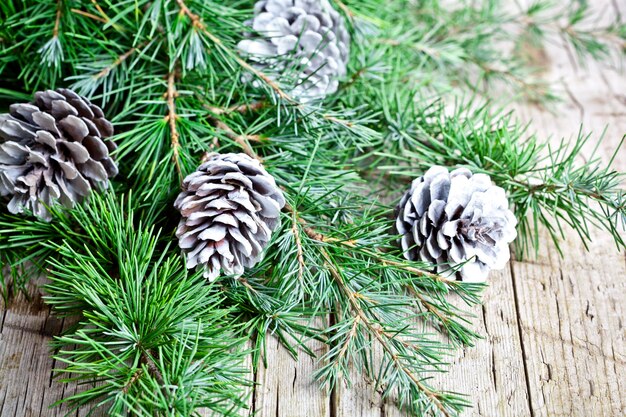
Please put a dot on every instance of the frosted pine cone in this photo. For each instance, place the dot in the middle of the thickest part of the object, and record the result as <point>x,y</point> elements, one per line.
<point>312,31</point>
<point>54,149</point>
<point>456,218</point>
<point>230,206</point>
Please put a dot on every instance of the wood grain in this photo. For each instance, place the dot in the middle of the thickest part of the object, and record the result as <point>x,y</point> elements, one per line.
<point>553,342</point>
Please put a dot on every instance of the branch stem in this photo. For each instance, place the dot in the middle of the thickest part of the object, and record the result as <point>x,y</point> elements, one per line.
<point>238,108</point>
<point>118,61</point>
<point>241,140</point>
<point>171,117</point>
<point>57,21</point>
<point>300,252</point>
<point>89,15</point>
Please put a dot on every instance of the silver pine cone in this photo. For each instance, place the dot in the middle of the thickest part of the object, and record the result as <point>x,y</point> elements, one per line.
<point>312,31</point>
<point>53,150</point>
<point>458,220</point>
<point>230,206</point>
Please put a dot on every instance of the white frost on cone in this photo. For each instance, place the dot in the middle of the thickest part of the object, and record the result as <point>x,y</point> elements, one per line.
<point>54,150</point>
<point>230,206</point>
<point>312,31</point>
<point>456,218</point>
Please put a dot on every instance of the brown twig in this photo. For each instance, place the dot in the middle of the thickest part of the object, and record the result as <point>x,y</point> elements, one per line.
<point>351,335</point>
<point>238,108</point>
<point>57,21</point>
<point>431,308</point>
<point>354,78</point>
<point>171,118</point>
<point>345,9</point>
<point>89,15</point>
<point>117,62</point>
<point>338,121</point>
<point>146,359</point>
<point>105,19</point>
<point>246,284</point>
<point>104,15</point>
<point>241,140</point>
<point>132,380</point>
<point>300,252</point>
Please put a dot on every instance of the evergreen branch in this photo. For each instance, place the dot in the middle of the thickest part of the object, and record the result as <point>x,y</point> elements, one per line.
<point>197,23</point>
<point>237,108</point>
<point>317,236</point>
<point>241,140</point>
<point>118,61</point>
<point>132,381</point>
<point>381,335</point>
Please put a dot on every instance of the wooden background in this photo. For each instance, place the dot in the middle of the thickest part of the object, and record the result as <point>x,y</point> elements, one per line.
<point>554,338</point>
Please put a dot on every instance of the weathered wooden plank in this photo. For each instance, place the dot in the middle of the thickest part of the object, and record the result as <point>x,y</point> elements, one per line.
<point>286,387</point>
<point>26,385</point>
<point>571,309</point>
<point>492,372</point>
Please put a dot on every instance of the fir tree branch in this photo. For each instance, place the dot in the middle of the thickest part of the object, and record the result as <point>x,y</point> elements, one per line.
<point>381,335</point>
<point>238,108</point>
<point>241,140</point>
<point>118,61</point>
<point>197,23</point>
<point>146,358</point>
<point>136,376</point>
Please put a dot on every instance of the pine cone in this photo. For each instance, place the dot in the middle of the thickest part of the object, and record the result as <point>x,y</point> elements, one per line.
<point>230,206</point>
<point>54,149</point>
<point>312,31</point>
<point>456,218</point>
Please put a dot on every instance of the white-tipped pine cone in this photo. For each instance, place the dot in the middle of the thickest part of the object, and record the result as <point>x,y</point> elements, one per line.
<point>312,31</point>
<point>456,218</point>
<point>230,206</point>
<point>53,150</point>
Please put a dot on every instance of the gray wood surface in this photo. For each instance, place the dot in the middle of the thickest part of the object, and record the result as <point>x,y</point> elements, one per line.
<point>554,340</point>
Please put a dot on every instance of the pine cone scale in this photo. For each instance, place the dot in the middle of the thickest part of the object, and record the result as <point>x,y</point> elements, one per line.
<point>53,148</point>
<point>229,210</point>
<point>313,31</point>
<point>456,218</point>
